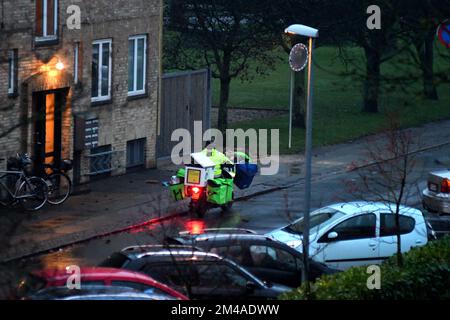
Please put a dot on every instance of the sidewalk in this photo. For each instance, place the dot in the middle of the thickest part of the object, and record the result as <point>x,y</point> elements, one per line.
<point>120,203</point>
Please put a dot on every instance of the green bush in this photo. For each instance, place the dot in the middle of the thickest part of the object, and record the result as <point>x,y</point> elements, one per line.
<point>425,275</point>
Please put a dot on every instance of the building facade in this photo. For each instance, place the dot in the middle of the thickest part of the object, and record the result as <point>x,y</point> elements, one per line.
<point>81,80</point>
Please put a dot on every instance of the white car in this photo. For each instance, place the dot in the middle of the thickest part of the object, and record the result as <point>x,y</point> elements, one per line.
<point>344,235</point>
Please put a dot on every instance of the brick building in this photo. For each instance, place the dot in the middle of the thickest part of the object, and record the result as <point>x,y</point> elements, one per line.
<point>90,93</point>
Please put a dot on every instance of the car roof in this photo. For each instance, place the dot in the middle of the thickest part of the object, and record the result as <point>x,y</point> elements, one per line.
<point>170,254</point>
<point>158,248</point>
<point>93,273</point>
<point>230,236</point>
<point>96,292</point>
<point>64,291</point>
<point>220,230</point>
<point>103,273</point>
<point>355,207</point>
<point>185,255</point>
<point>118,296</point>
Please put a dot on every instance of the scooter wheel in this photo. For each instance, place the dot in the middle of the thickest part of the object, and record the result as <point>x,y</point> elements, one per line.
<point>227,207</point>
<point>201,213</point>
<point>198,209</point>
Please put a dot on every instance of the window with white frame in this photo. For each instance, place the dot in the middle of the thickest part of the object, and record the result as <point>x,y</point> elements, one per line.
<point>101,70</point>
<point>137,65</point>
<point>12,72</point>
<point>46,20</point>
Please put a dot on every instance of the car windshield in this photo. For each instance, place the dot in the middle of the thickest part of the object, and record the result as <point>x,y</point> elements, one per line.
<point>318,220</point>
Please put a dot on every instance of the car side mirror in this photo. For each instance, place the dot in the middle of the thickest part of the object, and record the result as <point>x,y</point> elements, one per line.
<point>332,235</point>
<point>251,286</point>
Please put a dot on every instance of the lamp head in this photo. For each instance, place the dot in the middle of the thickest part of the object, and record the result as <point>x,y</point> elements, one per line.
<point>302,30</point>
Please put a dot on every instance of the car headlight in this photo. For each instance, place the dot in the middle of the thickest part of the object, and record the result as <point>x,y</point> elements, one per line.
<point>295,243</point>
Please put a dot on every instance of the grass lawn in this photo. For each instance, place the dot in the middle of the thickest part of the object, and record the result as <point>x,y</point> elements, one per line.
<point>337,101</point>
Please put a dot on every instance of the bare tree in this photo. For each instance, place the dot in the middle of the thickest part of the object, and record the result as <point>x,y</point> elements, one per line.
<point>386,175</point>
<point>226,36</point>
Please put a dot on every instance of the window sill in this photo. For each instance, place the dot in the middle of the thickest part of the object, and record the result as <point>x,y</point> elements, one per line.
<point>137,96</point>
<point>100,102</point>
<point>13,95</point>
<point>43,42</point>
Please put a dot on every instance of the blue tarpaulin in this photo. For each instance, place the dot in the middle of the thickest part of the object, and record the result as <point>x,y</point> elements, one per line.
<point>245,172</point>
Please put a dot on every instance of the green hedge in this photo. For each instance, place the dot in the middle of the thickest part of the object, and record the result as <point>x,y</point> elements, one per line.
<point>425,275</point>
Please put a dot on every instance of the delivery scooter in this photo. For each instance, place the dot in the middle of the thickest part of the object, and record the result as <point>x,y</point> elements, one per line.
<point>197,182</point>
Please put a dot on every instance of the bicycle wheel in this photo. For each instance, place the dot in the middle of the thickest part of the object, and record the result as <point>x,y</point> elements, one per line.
<point>59,188</point>
<point>32,194</point>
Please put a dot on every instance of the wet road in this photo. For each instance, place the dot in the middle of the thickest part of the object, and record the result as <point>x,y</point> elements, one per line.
<point>261,213</point>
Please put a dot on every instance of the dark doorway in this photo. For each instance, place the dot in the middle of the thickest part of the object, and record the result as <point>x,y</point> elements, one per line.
<point>136,154</point>
<point>48,107</point>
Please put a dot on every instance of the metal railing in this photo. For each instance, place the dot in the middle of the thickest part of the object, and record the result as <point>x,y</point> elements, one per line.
<point>103,162</point>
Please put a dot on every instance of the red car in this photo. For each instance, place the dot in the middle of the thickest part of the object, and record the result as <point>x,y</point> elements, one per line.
<point>39,280</point>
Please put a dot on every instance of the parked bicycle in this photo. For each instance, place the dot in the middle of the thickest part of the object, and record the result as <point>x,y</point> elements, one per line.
<point>58,182</point>
<point>18,187</point>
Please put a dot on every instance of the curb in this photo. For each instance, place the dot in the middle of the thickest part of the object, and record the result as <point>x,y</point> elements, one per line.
<point>123,229</point>
<point>366,165</point>
<point>93,237</point>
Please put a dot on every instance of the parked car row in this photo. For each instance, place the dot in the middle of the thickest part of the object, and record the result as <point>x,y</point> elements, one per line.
<point>233,263</point>
<point>198,274</point>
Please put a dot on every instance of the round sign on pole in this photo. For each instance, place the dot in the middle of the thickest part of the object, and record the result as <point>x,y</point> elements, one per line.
<point>298,58</point>
<point>443,33</point>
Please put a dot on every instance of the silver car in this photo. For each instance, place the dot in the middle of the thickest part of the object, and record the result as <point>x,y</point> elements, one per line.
<point>436,197</point>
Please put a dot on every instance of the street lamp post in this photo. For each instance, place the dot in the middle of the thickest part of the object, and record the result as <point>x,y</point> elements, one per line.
<point>312,34</point>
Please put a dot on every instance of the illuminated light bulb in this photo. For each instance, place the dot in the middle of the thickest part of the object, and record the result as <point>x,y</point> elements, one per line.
<point>60,66</point>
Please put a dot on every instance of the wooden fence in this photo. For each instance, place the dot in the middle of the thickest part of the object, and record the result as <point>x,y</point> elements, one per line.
<point>185,98</point>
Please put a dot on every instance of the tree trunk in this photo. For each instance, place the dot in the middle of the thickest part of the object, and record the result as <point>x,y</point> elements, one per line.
<point>426,56</point>
<point>299,112</point>
<point>399,239</point>
<point>223,103</point>
<point>372,82</point>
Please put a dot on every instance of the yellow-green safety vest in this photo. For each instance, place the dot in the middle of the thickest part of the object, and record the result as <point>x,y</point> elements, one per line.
<point>218,158</point>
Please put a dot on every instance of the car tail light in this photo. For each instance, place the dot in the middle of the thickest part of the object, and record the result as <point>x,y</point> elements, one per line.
<point>445,186</point>
<point>196,192</point>
<point>195,227</point>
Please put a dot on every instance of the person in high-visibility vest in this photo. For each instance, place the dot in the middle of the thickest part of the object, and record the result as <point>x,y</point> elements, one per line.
<point>216,156</point>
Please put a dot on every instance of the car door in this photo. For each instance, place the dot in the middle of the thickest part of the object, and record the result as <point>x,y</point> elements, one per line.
<point>388,234</point>
<point>273,264</point>
<point>351,242</point>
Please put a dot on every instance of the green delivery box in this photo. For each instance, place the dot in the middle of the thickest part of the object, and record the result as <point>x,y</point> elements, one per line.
<point>220,191</point>
<point>177,191</point>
